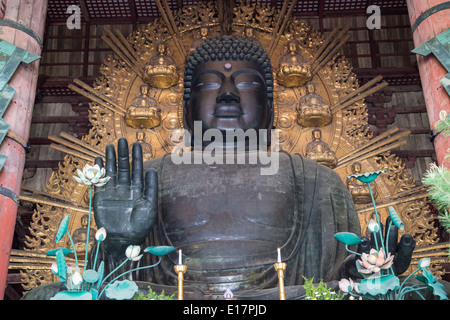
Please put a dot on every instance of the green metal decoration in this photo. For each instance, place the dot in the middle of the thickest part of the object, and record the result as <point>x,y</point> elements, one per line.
<point>10,58</point>
<point>440,47</point>
<point>92,284</point>
<point>380,281</point>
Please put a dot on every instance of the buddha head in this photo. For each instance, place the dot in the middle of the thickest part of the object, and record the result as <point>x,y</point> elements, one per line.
<point>356,168</point>
<point>228,85</point>
<point>317,135</point>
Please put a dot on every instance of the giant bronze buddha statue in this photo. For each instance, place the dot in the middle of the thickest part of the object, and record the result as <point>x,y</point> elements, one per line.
<point>228,219</point>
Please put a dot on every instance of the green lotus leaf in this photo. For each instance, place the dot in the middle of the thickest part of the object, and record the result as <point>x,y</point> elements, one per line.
<point>61,264</point>
<point>65,251</point>
<point>395,218</point>
<point>379,285</point>
<point>347,238</point>
<point>433,283</point>
<point>100,271</point>
<point>121,290</point>
<point>160,250</point>
<point>72,295</point>
<point>90,276</point>
<point>62,228</point>
<point>367,177</point>
<point>94,293</point>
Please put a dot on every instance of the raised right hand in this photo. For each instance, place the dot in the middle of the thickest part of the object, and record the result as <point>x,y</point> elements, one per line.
<point>126,206</point>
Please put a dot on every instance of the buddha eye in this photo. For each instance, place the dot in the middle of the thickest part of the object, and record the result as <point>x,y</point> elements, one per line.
<point>248,85</point>
<point>210,85</point>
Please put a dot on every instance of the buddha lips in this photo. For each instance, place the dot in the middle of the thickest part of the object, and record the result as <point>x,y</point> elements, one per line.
<point>214,146</point>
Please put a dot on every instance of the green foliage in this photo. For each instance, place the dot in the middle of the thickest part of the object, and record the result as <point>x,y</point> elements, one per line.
<point>154,296</point>
<point>437,179</point>
<point>443,126</point>
<point>320,292</point>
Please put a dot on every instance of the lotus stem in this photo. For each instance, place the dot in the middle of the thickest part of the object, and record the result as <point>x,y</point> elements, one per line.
<point>96,254</point>
<point>122,274</point>
<point>378,219</point>
<point>414,288</point>
<point>404,282</point>
<point>74,251</point>
<point>118,267</point>
<point>346,248</point>
<point>89,227</point>
<point>387,244</point>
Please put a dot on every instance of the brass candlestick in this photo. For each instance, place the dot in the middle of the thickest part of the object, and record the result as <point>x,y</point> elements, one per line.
<point>180,269</point>
<point>280,267</point>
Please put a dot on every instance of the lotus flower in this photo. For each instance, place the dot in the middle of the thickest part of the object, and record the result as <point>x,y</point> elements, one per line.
<point>92,175</point>
<point>76,278</point>
<point>424,263</point>
<point>55,268</point>
<point>346,285</point>
<point>373,226</point>
<point>100,235</point>
<point>132,253</point>
<point>375,261</point>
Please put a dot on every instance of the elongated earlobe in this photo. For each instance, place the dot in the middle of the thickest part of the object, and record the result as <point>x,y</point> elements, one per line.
<point>187,127</point>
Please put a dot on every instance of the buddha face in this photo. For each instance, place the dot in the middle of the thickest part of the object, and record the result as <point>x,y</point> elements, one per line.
<point>317,134</point>
<point>229,95</point>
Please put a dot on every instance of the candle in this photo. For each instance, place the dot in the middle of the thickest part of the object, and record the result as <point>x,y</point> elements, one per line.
<point>180,260</point>
<point>279,254</point>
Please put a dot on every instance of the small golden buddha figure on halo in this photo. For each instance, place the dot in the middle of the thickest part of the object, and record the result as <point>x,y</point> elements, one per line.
<point>320,151</point>
<point>147,150</point>
<point>359,190</point>
<point>313,110</point>
<point>161,71</point>
<point>79,237</point>
<point>294,70</point>
<point>143,113</point>
<point>202,35</point>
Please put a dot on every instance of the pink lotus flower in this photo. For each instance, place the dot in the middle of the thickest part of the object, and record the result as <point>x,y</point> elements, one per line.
<point>347,285</point>
<point>375,261</point>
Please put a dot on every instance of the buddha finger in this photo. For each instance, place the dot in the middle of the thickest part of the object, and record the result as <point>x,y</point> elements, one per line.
<point>137,171</point>
<point>151,188</point>
<point>391,237</point>
<point>123,163</point>
<point>403,257</point>
<point>111,165</point>
<point>99,162</point>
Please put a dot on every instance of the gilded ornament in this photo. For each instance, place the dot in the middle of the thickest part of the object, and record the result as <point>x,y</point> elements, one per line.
<point>313,110</point>
<point>320,151</point>
<point>161,70</point>
<point>144,111</point>
<point>294,70</point>
<point>359,190</point>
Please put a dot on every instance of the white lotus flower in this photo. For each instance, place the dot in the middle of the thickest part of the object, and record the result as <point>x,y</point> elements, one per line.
<point>346,285</point>
<point>424,263</point>
<point>76,278</point>
<point>132,253</point>
<point>55,268</point>
<point>92,175</point>
<point>100,235</point>
<point>373,226</point>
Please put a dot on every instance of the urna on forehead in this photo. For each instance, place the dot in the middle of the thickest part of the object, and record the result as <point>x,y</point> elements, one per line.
<point>224,48</point>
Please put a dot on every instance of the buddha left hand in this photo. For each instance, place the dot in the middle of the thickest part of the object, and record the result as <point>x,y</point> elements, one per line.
<point>401,250</point>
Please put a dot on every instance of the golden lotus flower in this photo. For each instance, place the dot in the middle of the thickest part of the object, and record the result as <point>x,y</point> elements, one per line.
<point>375,261</point>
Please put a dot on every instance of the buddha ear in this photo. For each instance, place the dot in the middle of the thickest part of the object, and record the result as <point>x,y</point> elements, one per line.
<point>270,122</point>
<point>186,125</point>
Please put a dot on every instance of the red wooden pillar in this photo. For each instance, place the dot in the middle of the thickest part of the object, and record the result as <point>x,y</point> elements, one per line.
<point>25,15</point>
<point>431,70</point>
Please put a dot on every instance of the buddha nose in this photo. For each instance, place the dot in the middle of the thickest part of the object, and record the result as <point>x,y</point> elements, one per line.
<point>228,94</point>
